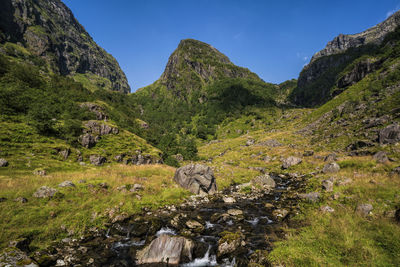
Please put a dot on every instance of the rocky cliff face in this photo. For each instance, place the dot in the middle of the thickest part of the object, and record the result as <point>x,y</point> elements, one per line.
<point>194,64</point>
<point>331,70</point>
<point>47,28</point>
<point>374,35</point>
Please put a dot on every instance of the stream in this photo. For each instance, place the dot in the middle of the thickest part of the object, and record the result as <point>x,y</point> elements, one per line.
<point>257,216</point>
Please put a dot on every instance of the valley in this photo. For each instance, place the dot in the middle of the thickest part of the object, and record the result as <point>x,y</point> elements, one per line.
<point>208,166</point>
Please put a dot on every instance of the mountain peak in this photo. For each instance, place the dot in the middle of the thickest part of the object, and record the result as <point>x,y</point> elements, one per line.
<point>195,63</point>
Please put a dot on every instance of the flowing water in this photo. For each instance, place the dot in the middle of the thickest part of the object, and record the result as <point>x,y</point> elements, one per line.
<point>258,224</point>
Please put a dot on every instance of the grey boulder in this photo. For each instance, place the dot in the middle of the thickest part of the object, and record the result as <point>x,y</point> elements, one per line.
<point>264,180</point>
<point>3,163</point>
<point>331,168</point>
<point>381,157</point>
<point>290,161</point>
<point>44,192</point>
<point>390,134</point>
<point>197,178</point>
<point>171,250</point>
<point>97,160</point>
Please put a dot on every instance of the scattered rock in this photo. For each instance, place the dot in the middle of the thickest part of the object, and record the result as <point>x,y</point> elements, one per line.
<point>83,181</point>
<point>335,196</point>
<point>21,200</point>
<point>331,168</point>
<point>267,159</point>
<point>198,179</point>
<point>326,209</point>
<point>103,185</point>
<point>67,184</point>
<point>229,243</point>
<point>250,142</point>
<point>172,250</point>
<point>119,158</point>
<point>390,134</point>
<point>65,153</point>
<point>308,153</point>
<point>264,180</point>
<point>40,172</point>
<point>87,140</point>
<point>280,214</point>
<point>331,157</point>
<point>381,157</point>
<point>312,197</point>
<point>97,160</point>
<point>228,200</point>
<point>178,157</point>
<point>235,212</point>
<point>270,143</point>
<point>327,185</point>
<point>358,145</point>
<point>343,182</point>
<point>13,256</point>
<point>45,192</point>
<point>3,163</point>
<point>364,209</point>
<point>195,225</point>
<point>290,161</point>
<point>396,170</point>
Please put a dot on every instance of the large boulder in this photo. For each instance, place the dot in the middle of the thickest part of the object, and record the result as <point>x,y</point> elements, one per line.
<point>197,178</point>
<point>331,168</point>
<point>45,192</point>
<point>87,140</point>
<point>264,180</point>
<point>229,243</point>
<point>290,161</point>
<point>171,250</point>
<point>381,157</point>
<point>97,160</point>
<point>390,134</point>
<point>3,163</point>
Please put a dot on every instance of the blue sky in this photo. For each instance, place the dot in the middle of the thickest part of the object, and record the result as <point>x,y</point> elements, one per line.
<point>272,38</point>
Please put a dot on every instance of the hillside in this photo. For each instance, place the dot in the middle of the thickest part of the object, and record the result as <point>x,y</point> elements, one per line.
<point>47,34</point>
<point>344,61</point>
<point>302,173</point>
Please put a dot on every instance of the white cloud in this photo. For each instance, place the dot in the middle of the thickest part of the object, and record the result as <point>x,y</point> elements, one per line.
<point>389,13</point>
<point>237,36</point>
<point>305,58</point>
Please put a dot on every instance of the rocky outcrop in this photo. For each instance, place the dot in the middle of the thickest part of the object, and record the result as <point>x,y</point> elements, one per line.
<point>331,168</point>
<point>336,67</point>
<point>373,35</point>
<point>95,109</point>
<point>48,29</point>
<point>93,132</point>
<point>359,71</point>
<point>197,178</point>
<point>390,134</point>
<point>13,256</point>
<point>170,250</point>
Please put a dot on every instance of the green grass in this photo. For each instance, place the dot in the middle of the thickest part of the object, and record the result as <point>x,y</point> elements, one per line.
<point>80,208</point>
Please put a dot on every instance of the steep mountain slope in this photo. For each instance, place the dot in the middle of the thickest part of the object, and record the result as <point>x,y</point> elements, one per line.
<point>199,88</point>
<point>328,73</point>
<point>48,29</point>
<point>193,65</point>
